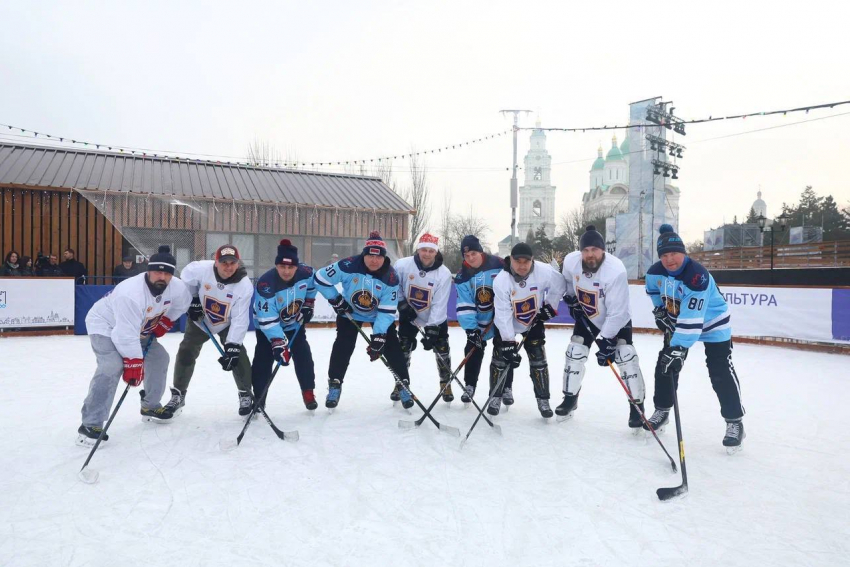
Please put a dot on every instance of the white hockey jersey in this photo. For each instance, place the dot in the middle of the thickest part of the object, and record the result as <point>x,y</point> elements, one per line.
<point>128,313</point>
<point>425,289</point>
<point>604,295</point>
<point>518,302</point>
<point>224,304</point>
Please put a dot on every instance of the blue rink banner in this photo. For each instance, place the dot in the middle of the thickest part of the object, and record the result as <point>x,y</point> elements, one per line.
<point>810,314</point>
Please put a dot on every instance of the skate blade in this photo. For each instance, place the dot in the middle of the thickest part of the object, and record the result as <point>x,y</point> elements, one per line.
<point>448,404</point>
<point>86,442</point>
<point>147,418</point>
<point>89,476</point>
<point>331,411</point>
<point>466,404</point>
<point>733,450</point>
<point>563,418</point>
<point>636,432</point>
<point>506,408</point>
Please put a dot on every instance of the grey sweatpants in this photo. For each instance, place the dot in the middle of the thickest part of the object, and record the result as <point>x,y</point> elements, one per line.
<point>110,368</point>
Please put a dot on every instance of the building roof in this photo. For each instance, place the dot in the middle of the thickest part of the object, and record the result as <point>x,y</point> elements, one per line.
<point>47,167</point>
<point>624,147</point>
<point>600,161</point>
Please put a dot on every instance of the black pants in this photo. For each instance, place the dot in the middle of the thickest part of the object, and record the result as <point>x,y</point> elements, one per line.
<point>346,340</point>
<point>302,358</point>
<point>588,331</point>
<point>535,341</point>
<point>724,380</point>
<point>407,335</point>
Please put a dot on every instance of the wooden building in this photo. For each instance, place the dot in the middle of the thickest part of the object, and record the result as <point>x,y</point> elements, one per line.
<point>105,205</point>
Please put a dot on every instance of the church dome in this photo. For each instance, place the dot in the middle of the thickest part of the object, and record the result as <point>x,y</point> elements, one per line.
<point>759,206</point>
<point>600,161</point>
<point>624,147</point>
<point>614,153</point>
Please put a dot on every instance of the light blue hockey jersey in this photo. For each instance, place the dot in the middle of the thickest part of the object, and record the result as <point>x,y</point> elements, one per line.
<point>475,295</point>
<point>277,303</point>
<point>693,301</point>
<point>373,296</point>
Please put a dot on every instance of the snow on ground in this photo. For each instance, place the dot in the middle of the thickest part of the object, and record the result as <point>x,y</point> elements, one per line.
<point>357,490</point>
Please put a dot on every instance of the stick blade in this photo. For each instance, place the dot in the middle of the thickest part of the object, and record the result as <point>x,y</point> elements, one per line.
<point>665,494</point>
<point>227,445</point>
<point>449,430</point>
<point>89,476</point>
<point>497,428</point>
<point>407,424</point>
<point>291,436</point>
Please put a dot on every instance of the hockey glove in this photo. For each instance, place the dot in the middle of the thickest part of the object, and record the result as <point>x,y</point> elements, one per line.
<point>576,311</point>
<point>546,312</point>
<point>163,326</point>
<point>473,337</point>
<point>280,350</point>
<point>663,321</point>
<point>376,346</point>
<point>305,314</point>
<point>231,356</point>
<point>340,305</point>
<point>607,348</point>
<point>672,359</point>
<point>508,353</point>
<point>406,313</point>
<point>134,371</point>
<point>196,310</point>
<point>432,335</point>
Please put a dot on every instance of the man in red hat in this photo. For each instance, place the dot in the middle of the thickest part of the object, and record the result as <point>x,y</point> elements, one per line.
<point>222,295</point>
<point>424,285</point>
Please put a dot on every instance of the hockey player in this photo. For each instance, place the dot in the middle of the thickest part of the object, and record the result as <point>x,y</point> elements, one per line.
<point>286,296</point>
<point>524,293</point>
<point>688,308</point>
<point>598,298</point>
<point>222,295</point>
<point>370,283</point>
<point>474,283</point>
<point>424,286</point>
<point>119,326</point>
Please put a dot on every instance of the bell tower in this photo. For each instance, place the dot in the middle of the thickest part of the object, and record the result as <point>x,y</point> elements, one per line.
<point>537,194</point>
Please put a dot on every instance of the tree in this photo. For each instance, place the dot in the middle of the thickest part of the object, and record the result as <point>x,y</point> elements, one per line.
<point>263,153</point>
<point>541,245</point>
<point>418,194</point>
<point>695,246</point>
<point>751,216</point>
<point>453,227</point>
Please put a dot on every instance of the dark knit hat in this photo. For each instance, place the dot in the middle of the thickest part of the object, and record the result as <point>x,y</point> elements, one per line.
<point>591,237</point>
<point>470,243</point>
<point>375,245</point>
<point>669,241</point>
<point>287,254</point>
<point>522,250</point>
<point>162,261</point>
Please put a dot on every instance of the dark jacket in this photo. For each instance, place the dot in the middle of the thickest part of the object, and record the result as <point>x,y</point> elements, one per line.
<point>120,273</point>
<point>49,271</point>
<point>10,270</point>
<point>74,269</point>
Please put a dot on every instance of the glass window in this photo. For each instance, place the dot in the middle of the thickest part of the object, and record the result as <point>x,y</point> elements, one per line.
<point>267,251</point>
<point>323,249</point>
<point>245,244</point>
<point>214,240</point>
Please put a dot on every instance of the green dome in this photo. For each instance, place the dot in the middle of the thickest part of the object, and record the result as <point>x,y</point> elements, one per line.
<point>614,153</point>
<point>624,147</point>
<point>600,162</point>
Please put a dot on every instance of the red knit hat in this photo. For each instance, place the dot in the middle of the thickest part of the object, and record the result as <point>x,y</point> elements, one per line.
<point>375,245</point>
<point>428,241</point>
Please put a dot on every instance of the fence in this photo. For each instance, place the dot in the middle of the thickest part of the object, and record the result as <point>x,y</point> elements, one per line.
<point>815,255</point>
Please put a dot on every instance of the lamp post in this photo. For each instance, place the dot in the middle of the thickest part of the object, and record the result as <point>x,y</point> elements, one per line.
<point>763,226</point>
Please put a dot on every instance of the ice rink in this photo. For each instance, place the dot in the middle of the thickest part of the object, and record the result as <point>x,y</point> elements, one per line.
<point>357,490</point>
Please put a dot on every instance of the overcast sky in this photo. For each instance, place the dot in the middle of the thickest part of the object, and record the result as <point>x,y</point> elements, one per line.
<point>351,80</point>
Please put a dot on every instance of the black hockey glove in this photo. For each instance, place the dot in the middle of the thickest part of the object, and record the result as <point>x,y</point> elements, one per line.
<point>431,336</point>
<point>231,356</point>
<point>340,305</point>
<point>305,314</point>
<point>546,312</point>
<point>672,359</point>
<point>607,349</point>
<point>406,313</point>
<point>576,312</point>
<point>508,353</point>
<point>663,321</point>
<point>280,350</point>
<point>196,310</point>
<point>473,337</point>
<point>376,346</point>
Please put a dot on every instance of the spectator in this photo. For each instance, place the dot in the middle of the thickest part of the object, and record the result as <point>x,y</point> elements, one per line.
<point>11,266</point>
<point>127,269</point>
<point>72,267</point>
<point>26,266</point>
<point>52,269</point>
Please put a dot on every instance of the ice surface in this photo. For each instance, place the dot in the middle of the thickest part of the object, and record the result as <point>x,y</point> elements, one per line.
<point>357,490</point>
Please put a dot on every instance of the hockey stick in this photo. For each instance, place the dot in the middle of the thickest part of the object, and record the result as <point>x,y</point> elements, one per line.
<point>642,415</point>
<point>259,403</point>
<point>498,385</point>
<point>90,476</point>
<point>665,494</point>
<point>404,424</point>
<point>454,431</point>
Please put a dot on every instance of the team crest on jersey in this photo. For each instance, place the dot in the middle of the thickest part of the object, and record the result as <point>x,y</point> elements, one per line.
<point>149,309</point>
<point>363,301</point>
<point>419,298</point>
<point>356,280</point>
<point>216,310</point>
<point>290,312</point>
<point>220,285</point>
<point>672,305</point>
<point>411,276</point>
<point>698,280</point>
<point>421,273</point>
<point>589,302</point>
<point>150,323</point>
<point>484,298</point>
<point>525,309</point>
<point>207,286</point>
